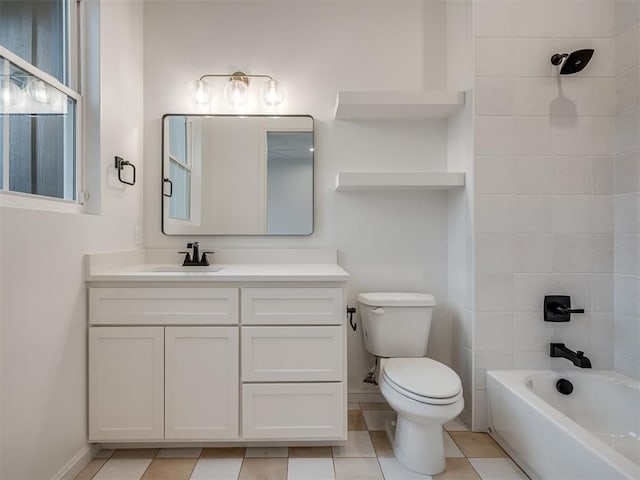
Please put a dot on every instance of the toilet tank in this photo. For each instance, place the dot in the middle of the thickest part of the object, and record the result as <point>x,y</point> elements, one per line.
<point>396,324</point>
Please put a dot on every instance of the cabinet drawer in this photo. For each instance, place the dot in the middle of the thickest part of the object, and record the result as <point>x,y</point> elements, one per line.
<point>292,306</point>
<point>293,411</point>
<point>292,354</point>
<point>158,306</point>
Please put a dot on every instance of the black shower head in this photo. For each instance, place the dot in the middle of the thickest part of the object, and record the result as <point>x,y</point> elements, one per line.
<point>573,62</point>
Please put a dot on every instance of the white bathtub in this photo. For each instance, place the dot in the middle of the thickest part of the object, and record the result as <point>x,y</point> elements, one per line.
<point>593,433</point>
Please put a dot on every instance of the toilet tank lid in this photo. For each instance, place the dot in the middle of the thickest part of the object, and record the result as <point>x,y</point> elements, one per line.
<point>397,299</point>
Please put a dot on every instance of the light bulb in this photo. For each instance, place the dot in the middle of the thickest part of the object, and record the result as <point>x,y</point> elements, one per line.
<point>39,91</point>
<point>236,92</point>
<point>272,93</point>
<point>10,93</point>
<point>199,92</point>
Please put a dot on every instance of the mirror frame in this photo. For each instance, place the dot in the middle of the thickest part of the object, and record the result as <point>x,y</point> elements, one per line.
<point>163,173</point>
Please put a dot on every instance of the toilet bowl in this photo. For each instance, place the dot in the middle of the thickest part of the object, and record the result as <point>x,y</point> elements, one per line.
<point>423,407</point>
<point>423,392</point>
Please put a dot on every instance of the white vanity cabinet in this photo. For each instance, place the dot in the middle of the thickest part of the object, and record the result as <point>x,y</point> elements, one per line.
<point>217,363</point>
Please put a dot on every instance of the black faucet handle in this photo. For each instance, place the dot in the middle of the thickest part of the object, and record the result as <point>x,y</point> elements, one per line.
<point>579,353</point>
<point>192,244</point>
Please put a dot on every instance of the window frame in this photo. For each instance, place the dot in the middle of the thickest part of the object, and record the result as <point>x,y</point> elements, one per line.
<point>74,76</point>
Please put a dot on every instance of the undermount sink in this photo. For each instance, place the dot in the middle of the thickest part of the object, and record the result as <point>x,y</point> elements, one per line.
<point>180,268</point>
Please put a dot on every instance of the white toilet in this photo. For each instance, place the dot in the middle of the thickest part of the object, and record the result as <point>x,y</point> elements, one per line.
<point>424,393</point>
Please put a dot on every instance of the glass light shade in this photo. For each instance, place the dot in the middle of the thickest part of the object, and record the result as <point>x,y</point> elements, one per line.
<point>199,92</point>
<point>10,93</point>
<point>272,93</point>
<point>39,91</point>
<point>236,92</point>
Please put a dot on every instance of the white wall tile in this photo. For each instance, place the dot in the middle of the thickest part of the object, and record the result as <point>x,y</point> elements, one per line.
<point>531,136</point>
<point>533,174</point>
<point>626,335</point>
<point>627,48</point>
<point>602,360</point>
<point>494,292</point>
<point>494,174</point>
<point>590,96</point>
<point>627,254</point>
<point>493,332</point>
<point>531,333</point>
<point>571,214</point>
<point>572,174</point>
<point>575,333</point>
<point>628,90</point>
<point>494,96</point>
<point>532,57</point>
<point>626,296</point>
<point>602,215</point>
<point>490,361</point>
<point>627,213</point>
<point>572,253</point>
<point>627,172</point>
<point>627,126</point>
<point>494,135</point>
<point>494,253</point>
<point>602,260</point>
<point>602,134</point>
<point>602,331</point>
<point>602,173</point>
<point>480,411</point>
<point>494,213</point>
<point>532,360</point>
<point>494,56</point>
<point>493,18</point>
<point>533,253</point>
<point>627,14</point>
<point>576,285</point>
<point>533,96</point>
<point>533,214</point>
<point>529,291</point>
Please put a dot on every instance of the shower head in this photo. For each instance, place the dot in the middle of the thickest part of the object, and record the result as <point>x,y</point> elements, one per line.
<point>572,62</point>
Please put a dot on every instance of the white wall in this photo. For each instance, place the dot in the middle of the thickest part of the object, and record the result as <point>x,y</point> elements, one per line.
<point>43,324</point>
<point>627,189</point>
<point>387,241</point>
<point>543,208</point>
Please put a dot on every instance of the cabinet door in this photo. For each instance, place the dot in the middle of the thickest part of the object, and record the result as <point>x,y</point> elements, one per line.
<point>126,378</point>
<point>201,383</point>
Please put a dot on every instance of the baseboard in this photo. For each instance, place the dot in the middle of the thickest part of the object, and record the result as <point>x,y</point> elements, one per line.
<point>367,397</point>
<point>77,463</point>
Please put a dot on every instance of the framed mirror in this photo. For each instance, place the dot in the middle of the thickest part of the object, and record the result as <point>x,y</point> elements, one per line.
<point>237,175</point>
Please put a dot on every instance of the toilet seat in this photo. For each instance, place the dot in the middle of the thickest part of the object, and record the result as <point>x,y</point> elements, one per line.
<point>423,380</point>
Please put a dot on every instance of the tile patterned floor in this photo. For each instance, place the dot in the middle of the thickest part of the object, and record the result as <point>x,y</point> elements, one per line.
<point>367,455</point>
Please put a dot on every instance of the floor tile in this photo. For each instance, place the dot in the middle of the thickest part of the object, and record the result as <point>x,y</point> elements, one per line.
<point>310,469</point>
<point>264,469</point>
<point>376,418</point>
<point>267,452</point>
<point>358,445</point>
<point>179,453</point>
<point>353,406</point>
<point>458,469</point>
<point>357,469</point>
<point>456,425</point>
<point>105,453</point>
<point>450,447</point>
<point>381,444</point>
<point>123,469</point>
<point>310,452</point>
<point>231,452</point>
<point>374,406</point>
<point>356,420</point>
<point>497,469</point>
<point>170,469</point>
<point>88,472</point>
<point>135,453</point>
<point>394,470</point>
<point>477,444</point>
<point>217,469</point>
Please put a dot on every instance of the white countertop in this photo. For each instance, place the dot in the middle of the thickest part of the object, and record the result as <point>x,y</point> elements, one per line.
<point>271,272</point>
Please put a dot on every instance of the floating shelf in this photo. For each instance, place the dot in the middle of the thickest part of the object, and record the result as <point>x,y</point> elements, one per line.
<point>360,181</point>
<point>397,105</point>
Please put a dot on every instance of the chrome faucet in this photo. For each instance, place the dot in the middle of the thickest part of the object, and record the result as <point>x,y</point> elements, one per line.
<point>194,260</point>
<point>577,358</point>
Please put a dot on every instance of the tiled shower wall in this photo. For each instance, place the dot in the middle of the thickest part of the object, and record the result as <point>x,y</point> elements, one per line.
<point>543,184</point>
<point>627,182</point>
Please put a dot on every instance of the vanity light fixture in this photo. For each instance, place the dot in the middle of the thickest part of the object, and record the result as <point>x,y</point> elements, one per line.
<point>236,89</point>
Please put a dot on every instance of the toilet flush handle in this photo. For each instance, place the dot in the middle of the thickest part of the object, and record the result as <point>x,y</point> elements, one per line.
<point>377,310</point>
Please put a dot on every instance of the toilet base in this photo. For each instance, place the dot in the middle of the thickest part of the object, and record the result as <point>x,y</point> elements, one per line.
<point>418,447</point>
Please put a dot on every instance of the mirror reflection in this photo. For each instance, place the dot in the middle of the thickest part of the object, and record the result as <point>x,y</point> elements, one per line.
<point>237,175</point>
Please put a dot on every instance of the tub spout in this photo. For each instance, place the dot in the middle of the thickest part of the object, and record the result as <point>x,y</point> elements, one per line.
<point>577,358</point>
